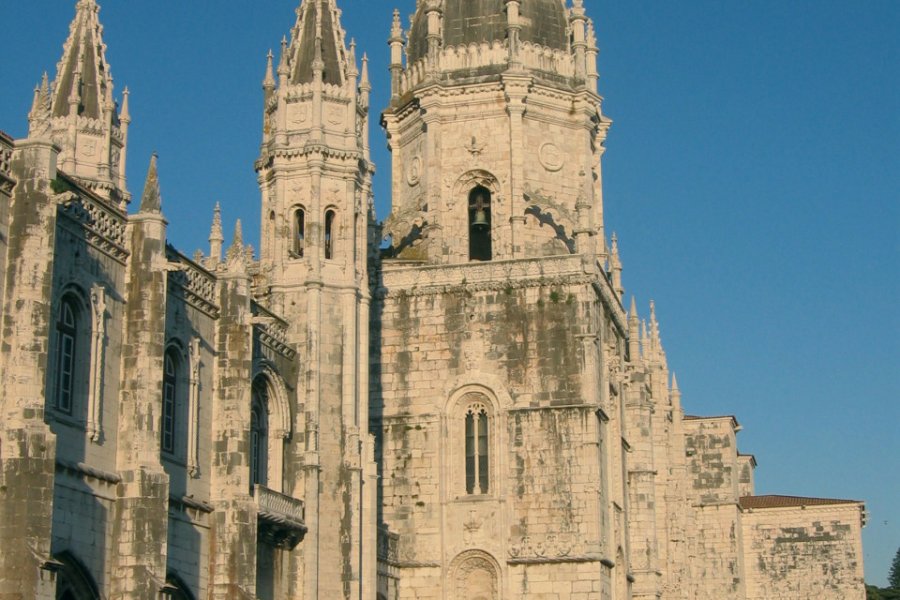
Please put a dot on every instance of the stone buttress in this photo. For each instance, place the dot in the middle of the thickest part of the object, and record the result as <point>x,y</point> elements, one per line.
<point>27,445</point>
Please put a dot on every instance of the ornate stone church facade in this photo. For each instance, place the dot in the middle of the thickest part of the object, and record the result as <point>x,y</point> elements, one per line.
<point>475,412</point>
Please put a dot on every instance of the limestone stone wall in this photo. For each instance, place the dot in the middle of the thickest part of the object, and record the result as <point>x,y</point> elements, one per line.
<point>715,535</point>
<point>506,350</point>
<point>804,552</point>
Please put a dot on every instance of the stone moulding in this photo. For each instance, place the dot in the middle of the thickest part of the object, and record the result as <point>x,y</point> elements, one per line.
<point>82,470</point>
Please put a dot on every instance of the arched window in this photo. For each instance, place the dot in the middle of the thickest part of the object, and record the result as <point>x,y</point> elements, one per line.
<point>259,433</point>
<point>73,581</point>
<point>299,232</point>
<point>480,224</point>
<point>330,216</point>
<point>66,344</point>
<point>170,402</point>
<point>477,444</point>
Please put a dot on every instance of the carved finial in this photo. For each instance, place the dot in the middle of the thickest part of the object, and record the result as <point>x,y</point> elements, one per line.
<point>151,200</point>
<point>216,237</point>
<point>674,383</point>
<point>396,25</point>
<point>269,80</point>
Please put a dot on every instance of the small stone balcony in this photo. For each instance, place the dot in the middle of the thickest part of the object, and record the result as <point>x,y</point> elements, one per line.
<point>282,519</point>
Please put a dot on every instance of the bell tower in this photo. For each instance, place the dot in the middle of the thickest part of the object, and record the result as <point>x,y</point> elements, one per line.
<point>78,112</point>
<point>314,173</point>
<point>496,132</point>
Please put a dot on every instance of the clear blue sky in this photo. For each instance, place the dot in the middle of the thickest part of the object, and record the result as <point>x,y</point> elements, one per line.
<point>752,174</point>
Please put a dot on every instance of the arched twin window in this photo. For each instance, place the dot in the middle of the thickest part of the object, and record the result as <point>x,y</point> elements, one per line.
<point>170,401</point>
<point>66,354</point>
<point>480,224</point>
<point>477,445</point>
<point>259,433</point>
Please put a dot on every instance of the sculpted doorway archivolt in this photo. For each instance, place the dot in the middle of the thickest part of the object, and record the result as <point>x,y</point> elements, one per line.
<point>475,577</point>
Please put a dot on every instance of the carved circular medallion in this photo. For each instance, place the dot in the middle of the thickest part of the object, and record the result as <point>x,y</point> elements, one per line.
<point>551,156</point>
<point>414,172</point>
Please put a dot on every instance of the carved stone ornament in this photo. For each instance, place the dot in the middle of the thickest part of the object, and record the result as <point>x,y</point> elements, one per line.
<point>551,156</point>
<point>414,172</point>
<point>300,114</point>
<point>475,577</point>
<point>334,114</point>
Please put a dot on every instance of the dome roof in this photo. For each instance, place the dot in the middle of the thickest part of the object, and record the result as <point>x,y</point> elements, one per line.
<point>475,21</point>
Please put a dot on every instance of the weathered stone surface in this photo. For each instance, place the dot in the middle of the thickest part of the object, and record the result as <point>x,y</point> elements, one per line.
<point>469,414</point>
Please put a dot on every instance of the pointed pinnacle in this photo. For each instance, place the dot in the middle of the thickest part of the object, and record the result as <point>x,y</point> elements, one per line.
<point>238,240</point>
<point>632,312</point>
<point>215,233</point>
<point>125,116</point>
<point>236,250</point>
<point>35,102</point>
<point>151,200</point>
<point>364,78</point>
<point>674,383</point>
<point>269,81</point>
<point>283,69</point>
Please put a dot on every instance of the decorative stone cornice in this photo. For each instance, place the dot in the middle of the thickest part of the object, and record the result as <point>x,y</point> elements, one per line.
<point>103,225</point>
<point>192,283</point>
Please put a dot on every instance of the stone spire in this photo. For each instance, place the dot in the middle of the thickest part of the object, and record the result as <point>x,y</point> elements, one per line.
<point>151,201</point>
<point>79,113</point>
<point>83,73</point>
<point>317,43</point>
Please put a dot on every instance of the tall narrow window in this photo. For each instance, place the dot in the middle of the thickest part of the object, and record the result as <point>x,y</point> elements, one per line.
<point>67,334</point>
<point>259,434</point>
<point>329,234</point>
<point>480,224</point>
<point>477,460</point>
<point>299,231</point>
<point>170,388</point>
